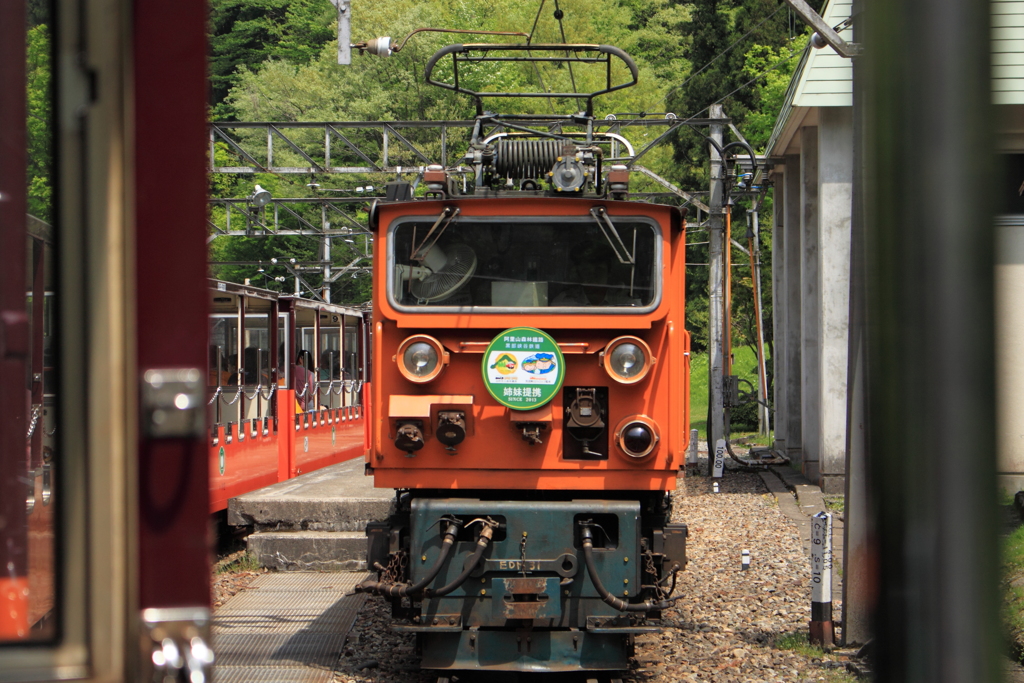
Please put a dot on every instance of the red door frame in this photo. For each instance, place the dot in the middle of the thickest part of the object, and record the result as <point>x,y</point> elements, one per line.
<point>14,332</point>
<point>171,288</point>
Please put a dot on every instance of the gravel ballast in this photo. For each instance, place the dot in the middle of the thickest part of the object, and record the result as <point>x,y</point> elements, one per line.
<point>725,627</point>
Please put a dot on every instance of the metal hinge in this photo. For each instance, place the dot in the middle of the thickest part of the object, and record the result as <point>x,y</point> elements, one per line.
<point>175,645</point>
<point>173,403</point>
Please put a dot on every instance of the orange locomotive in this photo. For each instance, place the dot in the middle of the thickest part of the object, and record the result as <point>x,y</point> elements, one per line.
<point>531,382</point>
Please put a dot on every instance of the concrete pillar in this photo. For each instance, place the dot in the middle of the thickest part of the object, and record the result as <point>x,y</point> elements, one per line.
<point>1009,329</point>
<point>791,418</point>
<point>779,372</point>
<point>810,317</point>
<point>835,206</point>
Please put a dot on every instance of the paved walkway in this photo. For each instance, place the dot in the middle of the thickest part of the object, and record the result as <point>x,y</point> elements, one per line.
<point>286,628</point>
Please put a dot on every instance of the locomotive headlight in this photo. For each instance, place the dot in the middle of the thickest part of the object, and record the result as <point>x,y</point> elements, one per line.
<point>421,358</point>
<point>637,436</point>
<point>627,359</point>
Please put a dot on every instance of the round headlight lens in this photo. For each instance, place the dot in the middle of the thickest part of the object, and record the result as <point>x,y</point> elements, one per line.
<point>637,439</point>
<point>628,360</point>
<point>420,359</point>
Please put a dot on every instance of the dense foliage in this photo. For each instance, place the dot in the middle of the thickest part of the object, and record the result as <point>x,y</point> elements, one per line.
<point>40,140</point>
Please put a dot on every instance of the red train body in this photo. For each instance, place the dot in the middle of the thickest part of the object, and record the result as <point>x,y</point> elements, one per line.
<point>268,425</point>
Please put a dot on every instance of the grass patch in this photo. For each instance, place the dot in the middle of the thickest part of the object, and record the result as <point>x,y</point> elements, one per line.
<point>699,393</point>
<point>241,561</point>
<point>753,438</point>
<point>797,641</point>
<point>1013,591</point>
<point>744,365</point>
<point>835,502</point>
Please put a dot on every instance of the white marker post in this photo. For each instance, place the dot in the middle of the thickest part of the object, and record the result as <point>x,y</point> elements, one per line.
<point>691,455</point>
<point>822,630</point>
<point>745,560</point>
<point>718,459</point>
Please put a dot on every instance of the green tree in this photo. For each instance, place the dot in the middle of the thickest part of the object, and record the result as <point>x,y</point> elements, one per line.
<point>742,52</point>
<point>249,32</point>
<point>39,124</point>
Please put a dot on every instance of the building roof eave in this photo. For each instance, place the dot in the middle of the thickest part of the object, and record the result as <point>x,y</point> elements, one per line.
<point>782,122</point>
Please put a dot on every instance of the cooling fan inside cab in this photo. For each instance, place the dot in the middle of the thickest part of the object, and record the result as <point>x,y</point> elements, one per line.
<point>443,272</point>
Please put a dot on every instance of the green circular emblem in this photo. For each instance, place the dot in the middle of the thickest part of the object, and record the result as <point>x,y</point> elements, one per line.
<point>221,457</point>
<point>523,368</point>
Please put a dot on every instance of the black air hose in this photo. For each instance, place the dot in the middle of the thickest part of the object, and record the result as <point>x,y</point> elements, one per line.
<point>396,590</point>
<point>588,555</point>
<point>482,541</point>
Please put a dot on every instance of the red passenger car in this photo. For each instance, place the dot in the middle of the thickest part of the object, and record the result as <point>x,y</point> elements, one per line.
<point>275,411</point>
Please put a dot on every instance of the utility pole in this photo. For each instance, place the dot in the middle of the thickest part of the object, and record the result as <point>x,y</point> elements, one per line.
<point>344,8</point>
<point>325,256</point>
<point>716,277</point>
<point>762,369</point>
<point>857,583</point>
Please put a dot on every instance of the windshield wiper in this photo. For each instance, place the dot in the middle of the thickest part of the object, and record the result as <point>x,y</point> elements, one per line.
<point>420,251</point>
<point>612,235</point>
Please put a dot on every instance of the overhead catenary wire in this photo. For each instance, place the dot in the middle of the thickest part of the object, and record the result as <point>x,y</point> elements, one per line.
<point>536,69</point>
<point>722,53</point>
<point>561,28</point>
<point>683,122</point>
<point>761,73</point>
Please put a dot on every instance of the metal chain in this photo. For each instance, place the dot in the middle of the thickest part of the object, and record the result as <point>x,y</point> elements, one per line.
<point>37,410</point>
<point>522,554</point>
<point>395,569</point>
<point>215,395</point>
<point>258,390</point>
<point>273,388</point>
<point>238,395</point>
<point>649,561</point>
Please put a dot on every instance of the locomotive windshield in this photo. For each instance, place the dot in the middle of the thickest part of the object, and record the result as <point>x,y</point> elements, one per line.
<point>554,263</point>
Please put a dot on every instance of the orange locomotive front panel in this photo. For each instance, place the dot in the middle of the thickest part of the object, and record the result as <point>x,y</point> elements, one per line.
<point>544,348</point>
<point>529,385</point>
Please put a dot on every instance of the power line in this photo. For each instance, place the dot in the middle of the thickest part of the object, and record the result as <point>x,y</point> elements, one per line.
<point>536,69</point>
<point>535,20</point>
<point>722,53</point>
<point>774,66</point>
<point>558,15</point>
